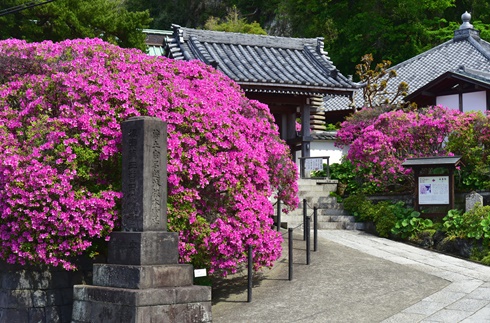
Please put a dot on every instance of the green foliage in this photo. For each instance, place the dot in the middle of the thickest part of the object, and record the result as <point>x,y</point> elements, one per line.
<point>199,231</point>
<point>376,81</point>
<point>349,177</point>
<point>390,30</point>
<point>486,260</point>
<point>306,18</point>
<point>453,223</point>
<point>332,126</point>
<point>360,207</point>
<point>384,218</point>
<point>70,19</point>
<point>478,253</point>
<point>344,173</point>
<point>188,13</point>
<point>474,224</point>
<point>409,223</point>
<point>471,141</point>
<point>388,217</point>
<point>233,23</point>
<point>195,13</point>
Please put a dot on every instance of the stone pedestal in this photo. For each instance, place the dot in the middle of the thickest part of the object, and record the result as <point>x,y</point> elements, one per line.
<point>143,281</point>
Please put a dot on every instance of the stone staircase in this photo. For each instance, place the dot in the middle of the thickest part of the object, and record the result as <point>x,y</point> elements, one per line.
<point>331,214</point>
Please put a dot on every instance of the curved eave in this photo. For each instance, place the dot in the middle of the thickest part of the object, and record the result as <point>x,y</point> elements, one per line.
<point>295,89</point>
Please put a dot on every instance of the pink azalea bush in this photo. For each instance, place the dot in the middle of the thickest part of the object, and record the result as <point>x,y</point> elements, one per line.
<point>61,105</point>
<point>379,146</point>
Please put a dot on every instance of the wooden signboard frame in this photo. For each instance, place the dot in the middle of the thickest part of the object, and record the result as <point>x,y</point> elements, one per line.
<point>433,190</point>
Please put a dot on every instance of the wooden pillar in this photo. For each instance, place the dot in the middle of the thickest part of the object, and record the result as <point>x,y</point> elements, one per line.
<point>291,126</point>
<point>283,126</point>
<point>416,205</point>
<point>451,187</point>
<point>305,131</point>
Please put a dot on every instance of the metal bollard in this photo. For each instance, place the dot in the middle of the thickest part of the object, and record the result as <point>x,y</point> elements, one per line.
<point>304,219</point>
<point>250,268</point>
<point>308,219</point>
<point>290,252</point>
<point>278,215</point>
<point>315,228</point>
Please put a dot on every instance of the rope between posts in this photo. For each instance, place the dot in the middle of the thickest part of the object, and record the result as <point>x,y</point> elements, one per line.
<point>309,206</point>
<point>298,226</point>
<point>283,234</point>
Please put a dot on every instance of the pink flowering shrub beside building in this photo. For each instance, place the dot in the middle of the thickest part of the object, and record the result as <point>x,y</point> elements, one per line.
<point>379,145</point>
<point>61,105</point>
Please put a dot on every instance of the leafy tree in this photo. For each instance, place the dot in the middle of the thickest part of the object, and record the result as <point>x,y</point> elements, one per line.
<point>188,13</point>
<point>375,84</point>
<point>195,13</point>
<point>390,30</point>
<point>263,12</point>
<point>307,18</point>
<point>70,19</point>
<point>233,23</point>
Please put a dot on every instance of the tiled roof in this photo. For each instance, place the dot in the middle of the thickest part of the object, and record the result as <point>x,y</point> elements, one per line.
<point>154,41</point>
<point>465,49</point>
<point>262,63</point>
<point>473,80</point>
<point>337,103</point>
<point>324,135</point>
<point>449,56</point>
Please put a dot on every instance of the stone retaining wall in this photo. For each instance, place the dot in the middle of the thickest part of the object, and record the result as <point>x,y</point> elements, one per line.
<point>31,294</point>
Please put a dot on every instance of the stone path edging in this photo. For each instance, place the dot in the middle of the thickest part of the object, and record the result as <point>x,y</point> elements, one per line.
<point>466,299</point>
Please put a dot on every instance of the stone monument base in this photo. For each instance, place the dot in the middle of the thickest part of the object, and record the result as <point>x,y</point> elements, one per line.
<point>189,304</point>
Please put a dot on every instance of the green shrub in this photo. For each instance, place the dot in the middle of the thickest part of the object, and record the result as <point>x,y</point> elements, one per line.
<point>486,260</point>
<point>474,224</point>
<point>478,220</point>
<point>360,207</point>
<point>453,223</point>
<point>409,223</point>
<point>384,218</point>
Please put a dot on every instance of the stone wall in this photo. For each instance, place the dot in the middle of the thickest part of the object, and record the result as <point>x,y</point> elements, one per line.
<point>31,294</point>
<point>459,203</point>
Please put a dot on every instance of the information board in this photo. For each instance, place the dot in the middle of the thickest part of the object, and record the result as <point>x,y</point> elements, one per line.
<point>433,190</point>
<point>312,164</point>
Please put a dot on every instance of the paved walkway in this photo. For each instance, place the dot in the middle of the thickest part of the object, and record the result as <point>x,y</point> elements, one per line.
<point>357,277</point>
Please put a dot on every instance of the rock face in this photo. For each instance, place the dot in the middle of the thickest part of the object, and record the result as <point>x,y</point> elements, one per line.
<point>143,281</point>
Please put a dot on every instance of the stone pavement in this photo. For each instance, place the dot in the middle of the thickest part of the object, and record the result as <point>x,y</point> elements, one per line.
<point>357,277</point>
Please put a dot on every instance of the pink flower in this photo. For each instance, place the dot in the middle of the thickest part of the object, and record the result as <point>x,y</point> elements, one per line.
<point>60,139</point>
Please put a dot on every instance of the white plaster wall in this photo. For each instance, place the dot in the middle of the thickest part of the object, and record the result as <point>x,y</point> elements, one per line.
<point>475,101</point>
<point>449,101</point>
<point>325,148</point>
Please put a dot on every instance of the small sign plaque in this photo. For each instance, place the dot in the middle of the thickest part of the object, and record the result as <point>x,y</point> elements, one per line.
<point>200,272</point>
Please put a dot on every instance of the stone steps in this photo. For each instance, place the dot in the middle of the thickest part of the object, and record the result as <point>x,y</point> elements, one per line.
<point>331,214</point>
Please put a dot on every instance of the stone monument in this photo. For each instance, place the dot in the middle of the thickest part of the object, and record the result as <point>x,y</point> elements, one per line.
<point>472,200</point>
<point>142,280</point>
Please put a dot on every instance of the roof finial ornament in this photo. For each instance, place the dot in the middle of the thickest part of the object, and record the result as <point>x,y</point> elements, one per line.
<point>466,17</point>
